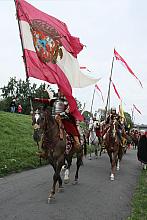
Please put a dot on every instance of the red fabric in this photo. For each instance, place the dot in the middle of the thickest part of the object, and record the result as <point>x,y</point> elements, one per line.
<point>96,86</point>
<point>45,101</point>
<point>70,128</point>
<point>116,91</point>
<point>49,71</point>
<point>136,109</point>
<point>19,108</point>
<point>118,57</point>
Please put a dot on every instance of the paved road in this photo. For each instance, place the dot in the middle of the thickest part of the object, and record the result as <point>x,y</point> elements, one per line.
<point>24,196</point>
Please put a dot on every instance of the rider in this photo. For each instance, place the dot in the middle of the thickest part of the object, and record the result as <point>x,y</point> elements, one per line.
<point>120,126</point>
<point>112,116</point>
<point>98,130</point>
<point>65,120</point>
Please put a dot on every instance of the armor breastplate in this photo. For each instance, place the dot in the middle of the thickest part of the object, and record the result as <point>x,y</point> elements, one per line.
<point>58,107</point>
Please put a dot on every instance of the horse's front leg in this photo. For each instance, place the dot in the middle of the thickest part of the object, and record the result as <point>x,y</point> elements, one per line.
<point>79,163</point>
<point>67,170</point>
<point>96,151</point>
<point>90,150</point>
<point>56,177</point>
<point>113,165</point>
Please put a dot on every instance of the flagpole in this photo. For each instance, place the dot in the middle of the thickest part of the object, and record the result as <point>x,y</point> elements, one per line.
<point>24,58</point>
<point>133,114</point>
<point>108,96</point>
<point>92,100</point>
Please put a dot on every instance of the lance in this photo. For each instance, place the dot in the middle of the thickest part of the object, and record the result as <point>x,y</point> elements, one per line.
<point>92,100</point>
<point>108,96</point>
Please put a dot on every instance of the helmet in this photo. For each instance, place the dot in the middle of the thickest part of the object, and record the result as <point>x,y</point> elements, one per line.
<point>58,107</point>
<point>113,110</point>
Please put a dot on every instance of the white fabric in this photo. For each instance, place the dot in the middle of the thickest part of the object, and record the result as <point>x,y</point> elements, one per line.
<point>68,64</point>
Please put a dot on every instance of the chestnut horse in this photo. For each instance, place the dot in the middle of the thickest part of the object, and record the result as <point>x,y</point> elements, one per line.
<point>113,147</point>
<point>55,149</point>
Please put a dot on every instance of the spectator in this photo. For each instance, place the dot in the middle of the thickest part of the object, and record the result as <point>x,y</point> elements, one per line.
<point>13,106</point>
<point>142,150</point>
<point>19,108</point>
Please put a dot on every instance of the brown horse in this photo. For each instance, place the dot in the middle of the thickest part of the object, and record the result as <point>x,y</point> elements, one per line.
<point>113,147</point>
<point>55,149</point>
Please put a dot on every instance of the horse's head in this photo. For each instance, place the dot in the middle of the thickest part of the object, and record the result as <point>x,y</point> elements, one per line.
<point>37,123</point>
<point>90,127</point>
<point>113,127</point>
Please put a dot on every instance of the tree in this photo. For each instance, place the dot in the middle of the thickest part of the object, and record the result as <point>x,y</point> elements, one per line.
<point>22,91</point>
<point>129,122</point>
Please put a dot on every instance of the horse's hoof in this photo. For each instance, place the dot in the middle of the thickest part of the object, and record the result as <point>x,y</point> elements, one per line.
<point>112,177</point>
<point>117,168</point>
<point>66,181</point>
<point>75,182</point>
<point>96,157</point>
<point>61,189</point>
<point>89,158</point>
<point>50,199</point>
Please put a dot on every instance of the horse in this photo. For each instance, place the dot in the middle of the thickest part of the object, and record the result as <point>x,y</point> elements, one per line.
<point>54,147</point>
<point>93,140</point>
<point>135,139</point>
<point>99,133</point>
<point>113,147</point>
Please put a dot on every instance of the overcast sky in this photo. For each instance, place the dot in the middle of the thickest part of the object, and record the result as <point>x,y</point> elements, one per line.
<point>101,25</point>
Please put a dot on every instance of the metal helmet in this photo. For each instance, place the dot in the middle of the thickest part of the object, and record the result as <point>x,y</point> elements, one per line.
<point>58,107</point>
<point>113,110</point>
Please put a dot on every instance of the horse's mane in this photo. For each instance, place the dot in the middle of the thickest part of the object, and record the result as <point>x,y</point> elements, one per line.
<point>50,130</point>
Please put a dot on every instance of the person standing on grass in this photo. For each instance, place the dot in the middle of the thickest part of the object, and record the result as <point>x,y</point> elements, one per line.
<point>142,150</point>
<point>19,108</point>
<point>13,105</point>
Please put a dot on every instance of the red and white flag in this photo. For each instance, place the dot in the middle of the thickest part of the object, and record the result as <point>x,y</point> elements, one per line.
<point>118,57</point>
<point>136,109</point>
<point>114,87</point>
<point>97,87</point>
<point>50,52</point>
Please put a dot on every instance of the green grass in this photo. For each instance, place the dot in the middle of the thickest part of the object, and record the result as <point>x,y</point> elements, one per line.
<point>17,147</point>
<point>139,202</point>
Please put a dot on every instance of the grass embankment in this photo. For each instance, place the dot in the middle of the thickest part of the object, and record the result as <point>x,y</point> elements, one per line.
<point>17,147</point>
<point>139,202</point>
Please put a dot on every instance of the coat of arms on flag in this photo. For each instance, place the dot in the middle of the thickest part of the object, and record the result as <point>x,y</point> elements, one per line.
<point>46,40</point>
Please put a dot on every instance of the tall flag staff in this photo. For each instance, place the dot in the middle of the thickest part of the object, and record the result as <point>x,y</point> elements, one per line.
<point>108,96</point>
<point>132,116</point>
<point>92,100</point>
<point>24,58</point>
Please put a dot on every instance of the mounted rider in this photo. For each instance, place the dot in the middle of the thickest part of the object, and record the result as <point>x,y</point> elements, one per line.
<point>113,116</point>
<point>65,120</point>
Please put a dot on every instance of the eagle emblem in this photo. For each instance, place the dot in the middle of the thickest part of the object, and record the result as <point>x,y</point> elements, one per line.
<point>47,41</point>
